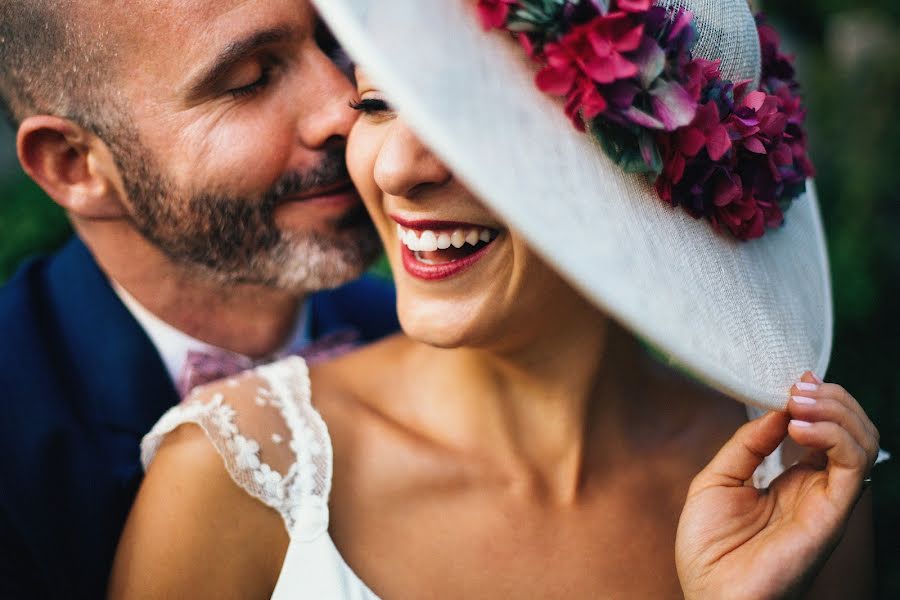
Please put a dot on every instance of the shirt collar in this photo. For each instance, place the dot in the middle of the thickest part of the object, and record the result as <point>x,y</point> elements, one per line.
<point>173,345</point>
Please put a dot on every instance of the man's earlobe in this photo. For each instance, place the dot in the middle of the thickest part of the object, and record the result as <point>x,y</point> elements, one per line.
<point>72,165</point>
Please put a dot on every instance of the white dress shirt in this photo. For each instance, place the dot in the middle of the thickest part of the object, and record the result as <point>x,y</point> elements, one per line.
<point>173,345</point>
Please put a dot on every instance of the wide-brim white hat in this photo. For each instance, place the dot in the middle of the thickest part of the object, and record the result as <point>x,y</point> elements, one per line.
<point>747,318</point>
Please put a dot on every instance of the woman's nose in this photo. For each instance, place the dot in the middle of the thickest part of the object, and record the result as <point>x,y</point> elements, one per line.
<point>405,167</point>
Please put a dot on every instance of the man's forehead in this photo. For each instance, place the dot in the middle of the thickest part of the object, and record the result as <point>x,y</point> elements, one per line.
<point>179,25</point>
<point>175,12</point>
<point>172,39</point>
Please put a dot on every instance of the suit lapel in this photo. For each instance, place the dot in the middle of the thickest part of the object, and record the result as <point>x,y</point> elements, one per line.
<point>124,382</point>
<point>366,306</point>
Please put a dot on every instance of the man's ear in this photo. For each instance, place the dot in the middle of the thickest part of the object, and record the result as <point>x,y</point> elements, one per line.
<point>72,165</point>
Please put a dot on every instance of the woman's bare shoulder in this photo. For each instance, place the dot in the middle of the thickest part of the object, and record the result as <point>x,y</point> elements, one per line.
<point>370,403</point>
<point>194,532</point>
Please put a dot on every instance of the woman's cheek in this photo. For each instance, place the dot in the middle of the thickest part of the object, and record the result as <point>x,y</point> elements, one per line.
<point>362,152</point>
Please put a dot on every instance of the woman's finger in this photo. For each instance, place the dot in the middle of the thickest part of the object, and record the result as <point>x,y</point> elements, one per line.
<point>847,460</point>
<point>813,410</point>
<point>808,392</point>
<point>742,454</point>
<point>810,387</point>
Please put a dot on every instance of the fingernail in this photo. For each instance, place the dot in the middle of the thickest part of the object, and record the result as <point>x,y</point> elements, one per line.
<point>817,378</point>
<point>803,424</point>
<point>806,387</point>
<point>803,400</point>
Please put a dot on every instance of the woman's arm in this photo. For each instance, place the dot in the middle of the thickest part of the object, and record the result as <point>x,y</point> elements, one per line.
<point>193,533</point>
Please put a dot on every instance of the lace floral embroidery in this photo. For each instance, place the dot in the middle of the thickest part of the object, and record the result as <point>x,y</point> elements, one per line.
<point>300,494</point>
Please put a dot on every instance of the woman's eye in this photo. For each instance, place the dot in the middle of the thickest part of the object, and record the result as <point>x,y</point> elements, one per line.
<point>371,106</point>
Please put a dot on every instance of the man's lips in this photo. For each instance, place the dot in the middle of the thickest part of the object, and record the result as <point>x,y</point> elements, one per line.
<point>338,197</point>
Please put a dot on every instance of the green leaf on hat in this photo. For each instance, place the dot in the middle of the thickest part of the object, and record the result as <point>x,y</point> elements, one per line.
<point>632,148</point>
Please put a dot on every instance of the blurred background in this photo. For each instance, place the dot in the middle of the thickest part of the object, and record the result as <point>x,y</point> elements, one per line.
<point>849,59</point>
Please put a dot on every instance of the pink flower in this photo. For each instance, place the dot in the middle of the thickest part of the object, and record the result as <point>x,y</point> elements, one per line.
<point>747,217</point>
<point>757,122</point>
<point>634,6</point>
<point>588,55</point>
<point>494,13</point>
<point>595,49</point>
<point>706,131</point>
<point>585,103</point>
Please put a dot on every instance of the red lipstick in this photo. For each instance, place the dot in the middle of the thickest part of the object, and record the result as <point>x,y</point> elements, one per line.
<point>440,271</point>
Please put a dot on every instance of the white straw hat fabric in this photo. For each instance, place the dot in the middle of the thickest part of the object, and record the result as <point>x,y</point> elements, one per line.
<point>747,318</point>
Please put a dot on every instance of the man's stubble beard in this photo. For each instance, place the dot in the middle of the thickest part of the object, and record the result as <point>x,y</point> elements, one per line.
<point>230,240</point>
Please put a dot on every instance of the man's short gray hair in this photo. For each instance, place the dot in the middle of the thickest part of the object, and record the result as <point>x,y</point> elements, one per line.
<point>52,61</point>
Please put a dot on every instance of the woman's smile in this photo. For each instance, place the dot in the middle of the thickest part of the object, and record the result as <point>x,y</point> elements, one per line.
<point>437,250</point>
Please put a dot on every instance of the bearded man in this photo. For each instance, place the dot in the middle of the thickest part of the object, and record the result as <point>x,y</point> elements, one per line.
<point>197,146</point>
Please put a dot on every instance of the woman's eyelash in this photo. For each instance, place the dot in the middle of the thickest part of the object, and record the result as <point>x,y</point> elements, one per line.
<point>370,106</point>
<point>249,90</point>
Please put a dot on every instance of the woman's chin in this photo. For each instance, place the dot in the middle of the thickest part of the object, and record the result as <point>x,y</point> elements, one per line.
<point>445,326</point>
<point>440,335</point>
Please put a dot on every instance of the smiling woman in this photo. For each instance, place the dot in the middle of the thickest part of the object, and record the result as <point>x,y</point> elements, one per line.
<point>517,431</point>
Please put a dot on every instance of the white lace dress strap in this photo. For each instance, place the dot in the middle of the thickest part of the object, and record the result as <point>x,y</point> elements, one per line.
<point>273,442</point>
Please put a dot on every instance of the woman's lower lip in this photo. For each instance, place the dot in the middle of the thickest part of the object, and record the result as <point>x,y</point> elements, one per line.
<point>438,272</point>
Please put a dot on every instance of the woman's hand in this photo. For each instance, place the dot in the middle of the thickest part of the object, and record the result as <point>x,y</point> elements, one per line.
<point>735,541</point>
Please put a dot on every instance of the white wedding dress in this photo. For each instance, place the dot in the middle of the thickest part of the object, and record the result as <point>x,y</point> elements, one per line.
<point>276,447</point>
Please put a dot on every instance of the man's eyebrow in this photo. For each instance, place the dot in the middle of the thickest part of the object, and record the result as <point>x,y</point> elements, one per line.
<point>232,54</point>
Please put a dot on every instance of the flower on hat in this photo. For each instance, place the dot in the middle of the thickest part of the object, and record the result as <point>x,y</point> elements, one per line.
<point>733,155</point>
<point>588,55</point>
<point>494,13</point>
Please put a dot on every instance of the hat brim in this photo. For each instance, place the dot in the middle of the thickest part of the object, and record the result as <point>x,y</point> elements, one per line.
<point>747,318</point>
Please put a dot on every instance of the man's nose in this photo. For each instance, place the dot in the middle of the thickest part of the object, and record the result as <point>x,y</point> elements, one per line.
<point>325,95</point>
<point>404,166</point>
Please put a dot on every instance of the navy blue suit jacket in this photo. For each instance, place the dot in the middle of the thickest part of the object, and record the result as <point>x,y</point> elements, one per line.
<point>80,384</point>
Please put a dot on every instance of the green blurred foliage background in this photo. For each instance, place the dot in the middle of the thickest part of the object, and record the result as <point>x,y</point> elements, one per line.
<point>849,58</point>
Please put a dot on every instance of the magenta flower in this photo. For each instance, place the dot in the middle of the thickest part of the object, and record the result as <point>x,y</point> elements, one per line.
<point>747,216</point>
<point>634,6</point>
<point>594,49</point>
<point>494,13</point>
<point>757,123</point>
<point>698,73</point>
<point>706,131</point>
<point>721,151</point>
<point>588,55</point>
<point>585,103</point>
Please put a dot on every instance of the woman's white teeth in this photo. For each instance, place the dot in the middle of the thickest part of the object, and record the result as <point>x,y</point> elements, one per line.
<point>430,241</point>
<point>411,241</point>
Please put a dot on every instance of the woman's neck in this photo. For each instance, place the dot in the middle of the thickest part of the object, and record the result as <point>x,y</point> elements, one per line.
<point>530,406</point>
